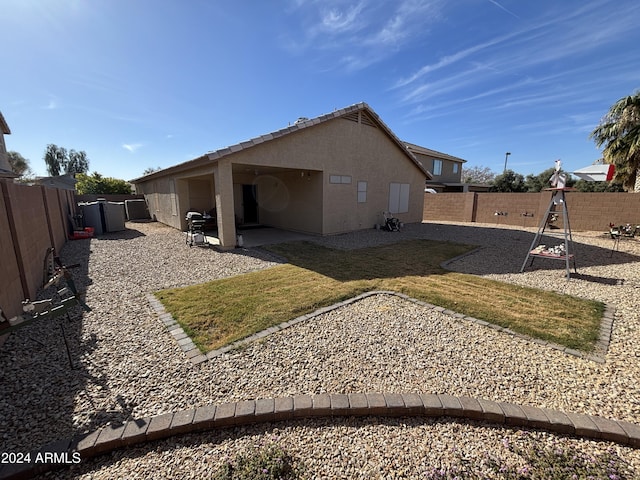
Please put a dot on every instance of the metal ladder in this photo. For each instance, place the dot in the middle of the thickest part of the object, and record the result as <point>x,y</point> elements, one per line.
<point>557,198</point>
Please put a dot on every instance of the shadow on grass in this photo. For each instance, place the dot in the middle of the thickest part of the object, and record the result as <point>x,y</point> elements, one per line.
<point>406,258</point>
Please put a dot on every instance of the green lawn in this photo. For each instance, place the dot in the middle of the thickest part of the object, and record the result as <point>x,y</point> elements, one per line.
<point>217,313</point>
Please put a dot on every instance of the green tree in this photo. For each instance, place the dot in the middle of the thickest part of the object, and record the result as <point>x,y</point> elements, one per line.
<point>19,164</point>
<point>55,158</point>
<point>619,133</point>
<point>59,160</point>
<point>537,183</point>
<point>509,181</point>
<point>585,186</point>
<point>150,170</point>
<point>99,185</point>
<point>77,162</point>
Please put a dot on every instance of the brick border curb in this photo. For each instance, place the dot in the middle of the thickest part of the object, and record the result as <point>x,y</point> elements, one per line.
<point>252,412</point>
<point>196,356</point>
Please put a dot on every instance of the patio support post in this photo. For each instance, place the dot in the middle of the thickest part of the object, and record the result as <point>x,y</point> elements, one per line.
<point>223,178</point>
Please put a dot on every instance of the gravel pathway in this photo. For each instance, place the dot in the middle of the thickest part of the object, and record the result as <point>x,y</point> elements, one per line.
<point>122,364</point>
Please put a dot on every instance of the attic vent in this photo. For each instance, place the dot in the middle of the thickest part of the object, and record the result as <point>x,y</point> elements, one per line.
<point>365,119</point>
<point>353,116</point>
<point>360,117</point>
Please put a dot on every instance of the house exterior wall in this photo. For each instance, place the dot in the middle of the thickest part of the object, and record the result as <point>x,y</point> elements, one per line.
<point>293,173</point>
<point>346,148</point>
<point>447,175</point>
<point>291,201</point>
<point>159,198</point>
<point>200,194</point>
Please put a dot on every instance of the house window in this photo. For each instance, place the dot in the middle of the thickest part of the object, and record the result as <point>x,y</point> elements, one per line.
<point>437,167</point>
<point>398,197</point>
<point>344,179</point>
<point>362,192</point>
<point>456,167</point>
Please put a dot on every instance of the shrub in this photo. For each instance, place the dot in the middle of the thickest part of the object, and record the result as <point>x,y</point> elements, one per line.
<point>268,462</point>
<point>530,458</point>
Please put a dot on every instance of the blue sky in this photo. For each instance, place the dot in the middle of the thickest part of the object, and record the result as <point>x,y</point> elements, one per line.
<point>152,83</point>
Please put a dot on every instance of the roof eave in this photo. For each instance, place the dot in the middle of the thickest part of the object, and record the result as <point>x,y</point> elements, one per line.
<point>223,152</point>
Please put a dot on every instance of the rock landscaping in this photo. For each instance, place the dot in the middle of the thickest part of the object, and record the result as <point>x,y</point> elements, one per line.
<point>119,362</point>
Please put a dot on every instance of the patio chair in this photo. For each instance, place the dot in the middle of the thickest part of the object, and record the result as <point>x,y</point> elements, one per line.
<point>622,231</point>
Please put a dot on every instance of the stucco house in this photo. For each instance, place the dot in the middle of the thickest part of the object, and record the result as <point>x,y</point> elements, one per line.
<point>328,175</point>
<point>5,167</point>
<point>446,170</point>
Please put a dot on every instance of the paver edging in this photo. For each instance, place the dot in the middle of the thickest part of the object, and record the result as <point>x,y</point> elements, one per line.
<point>606,327</point>
<point>252,412</point>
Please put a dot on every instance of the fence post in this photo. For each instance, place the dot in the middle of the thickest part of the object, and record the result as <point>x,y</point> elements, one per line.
<point>47,214</point>
<point>474,209</point>
<point>14,238</point>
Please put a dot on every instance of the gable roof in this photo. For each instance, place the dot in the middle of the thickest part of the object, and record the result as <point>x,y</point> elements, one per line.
<point>432,153</point>
<point>367,116</point>
<point>66,181</point>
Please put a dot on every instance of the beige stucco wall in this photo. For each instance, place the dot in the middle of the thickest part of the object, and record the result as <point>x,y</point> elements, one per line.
<point>447,174</point>
<point>337,147</point>
<point>200,194</point>
<point>291,200</point>
<point>292,174</point>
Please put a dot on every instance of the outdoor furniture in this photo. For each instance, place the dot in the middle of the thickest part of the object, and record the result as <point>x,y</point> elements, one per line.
<point>195,230</point>
<point>622,231</point>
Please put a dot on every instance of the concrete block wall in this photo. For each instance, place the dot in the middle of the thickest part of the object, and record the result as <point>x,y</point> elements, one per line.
<point>454,207</point>
<point>587,211</point>
<point>522,209</point>
<point>594,211</point>
<point>32,219</point>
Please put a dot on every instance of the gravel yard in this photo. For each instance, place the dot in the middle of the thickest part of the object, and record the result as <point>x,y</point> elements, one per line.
<point>122,363</point>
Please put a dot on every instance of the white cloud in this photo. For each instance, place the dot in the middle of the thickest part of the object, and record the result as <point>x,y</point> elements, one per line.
<point>335,20</point>
<point>132,147</point>
<point>53,103</point>
<point>505,9</point>
<point>361,34</point>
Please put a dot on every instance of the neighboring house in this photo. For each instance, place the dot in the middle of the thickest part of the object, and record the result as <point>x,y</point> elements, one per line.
<point>66,181</point>
<point>5,167</point>
<point>327,175</point>
<point>446,170</point>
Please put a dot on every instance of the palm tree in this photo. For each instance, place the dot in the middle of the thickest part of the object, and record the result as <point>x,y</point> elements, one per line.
<point>619,132</point>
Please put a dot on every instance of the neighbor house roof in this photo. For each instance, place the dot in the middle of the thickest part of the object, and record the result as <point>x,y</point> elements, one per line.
<point>432,153</point>
<point>66,181</point>
<point>301,124</point>
<point>5,167</point>
<point>4,128</point>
